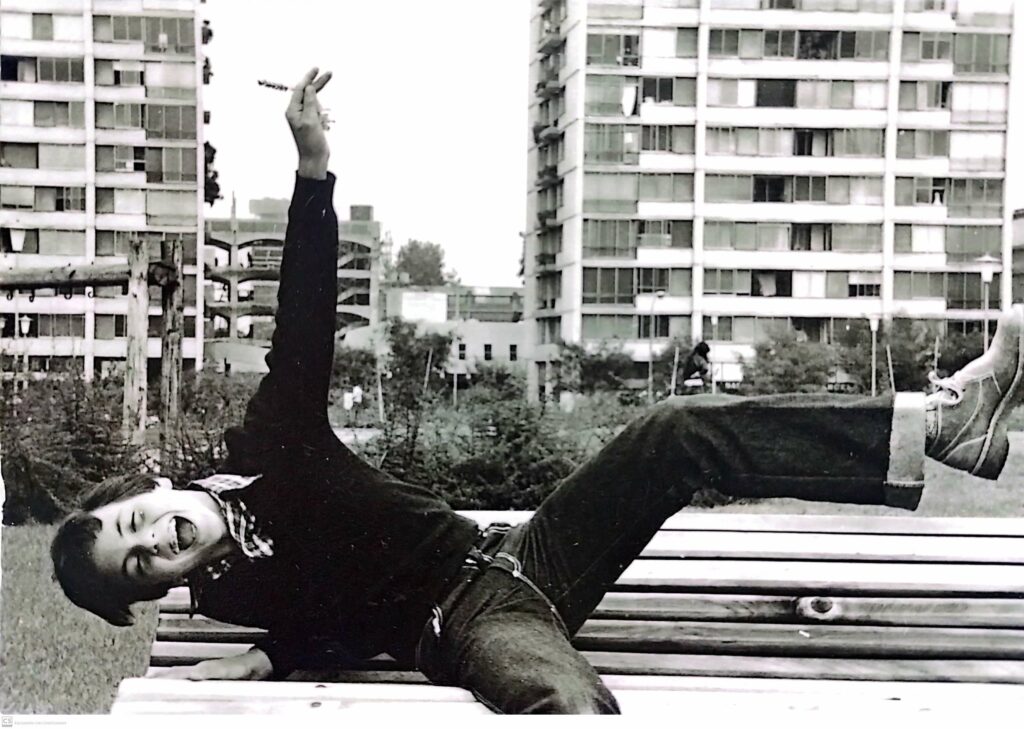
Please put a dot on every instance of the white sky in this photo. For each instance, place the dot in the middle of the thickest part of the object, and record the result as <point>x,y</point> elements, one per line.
<point>429,99</point>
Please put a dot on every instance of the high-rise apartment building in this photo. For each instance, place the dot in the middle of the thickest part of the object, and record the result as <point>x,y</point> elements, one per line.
<point>101,142</point>
<point>719,168</point>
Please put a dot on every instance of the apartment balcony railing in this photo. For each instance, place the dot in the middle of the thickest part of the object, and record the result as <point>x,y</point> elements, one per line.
<point>548,176</point>
<point>546,216</point>
<point>550,40</point>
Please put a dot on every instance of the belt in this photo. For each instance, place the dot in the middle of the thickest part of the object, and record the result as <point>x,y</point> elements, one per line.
<point>478,561</point>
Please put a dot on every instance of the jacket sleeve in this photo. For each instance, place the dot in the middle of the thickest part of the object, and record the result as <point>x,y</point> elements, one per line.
<point>291,399</point>
<point>289,650</point>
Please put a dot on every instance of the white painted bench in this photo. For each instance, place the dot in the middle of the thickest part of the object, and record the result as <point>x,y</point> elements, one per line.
<point>721,612</point>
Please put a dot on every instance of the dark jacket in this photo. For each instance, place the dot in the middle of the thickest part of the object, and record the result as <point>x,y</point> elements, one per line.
<point>359,557</point>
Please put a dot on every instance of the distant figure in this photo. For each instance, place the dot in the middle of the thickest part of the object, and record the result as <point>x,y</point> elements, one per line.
<point>698,364</point>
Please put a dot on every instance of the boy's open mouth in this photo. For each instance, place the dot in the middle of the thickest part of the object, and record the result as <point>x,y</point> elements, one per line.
<point>184,533</point>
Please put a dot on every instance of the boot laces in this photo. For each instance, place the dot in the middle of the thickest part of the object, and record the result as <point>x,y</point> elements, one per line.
<point>947,390</point>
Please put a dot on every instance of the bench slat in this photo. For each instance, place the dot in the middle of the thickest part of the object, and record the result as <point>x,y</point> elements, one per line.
<point>809,523</point>
<point>802,578</point>
<point>868,669</point>
<point>148,689</point>
<point>842,547</point>
<point>922,611</point>
<point>141,696</point>
<point>657,636</point>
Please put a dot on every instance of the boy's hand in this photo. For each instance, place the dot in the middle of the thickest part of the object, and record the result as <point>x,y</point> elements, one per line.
<point>251,666</point>
<point>305,117</point>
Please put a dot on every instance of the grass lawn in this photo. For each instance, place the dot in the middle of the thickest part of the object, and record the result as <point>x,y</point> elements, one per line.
<point>55,658</point>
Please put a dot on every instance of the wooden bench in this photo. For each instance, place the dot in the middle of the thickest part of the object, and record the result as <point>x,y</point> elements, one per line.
<point>721,612</point>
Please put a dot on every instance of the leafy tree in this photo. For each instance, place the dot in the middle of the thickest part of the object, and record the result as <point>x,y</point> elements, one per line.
<point>415,381</point>
<point>783,363</point>
<point>423,263</point>
<point>211,188</point>
<point>604,369</point>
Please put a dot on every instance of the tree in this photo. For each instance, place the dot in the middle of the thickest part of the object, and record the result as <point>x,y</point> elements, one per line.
<point>782,363</point>
<point>604,369</point>
<point>423,263</point>
<point>211,188</point>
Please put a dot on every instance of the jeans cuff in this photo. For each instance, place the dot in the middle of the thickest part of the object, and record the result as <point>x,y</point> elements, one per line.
<point>904,482</point>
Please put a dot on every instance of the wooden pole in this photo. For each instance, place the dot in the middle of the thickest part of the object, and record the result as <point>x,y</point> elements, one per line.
<point>892,377</point>
<point>134,409</point>
<point>171,308</point>
<point>158,273</point>
<point>426,372</point>
<point>675,367</point>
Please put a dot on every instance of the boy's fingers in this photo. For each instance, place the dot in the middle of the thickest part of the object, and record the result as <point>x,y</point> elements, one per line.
<point>310,106</point>
<point>320,82</point>
<point>300,88</point>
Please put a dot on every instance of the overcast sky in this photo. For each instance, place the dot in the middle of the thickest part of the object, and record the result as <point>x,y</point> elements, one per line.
<point>430,103</point>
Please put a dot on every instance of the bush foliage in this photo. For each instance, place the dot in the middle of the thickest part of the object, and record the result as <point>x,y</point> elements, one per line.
<point>493,450</point>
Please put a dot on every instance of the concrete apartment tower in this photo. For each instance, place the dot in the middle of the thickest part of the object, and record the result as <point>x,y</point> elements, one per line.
<point>101,141</point>
<point>717,168</point>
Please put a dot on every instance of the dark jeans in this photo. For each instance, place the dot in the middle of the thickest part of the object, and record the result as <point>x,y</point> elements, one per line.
<point>509,644</point>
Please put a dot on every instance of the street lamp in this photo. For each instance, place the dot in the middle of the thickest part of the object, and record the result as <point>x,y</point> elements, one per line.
<point>988,264</point>
<point>25,324</point>
<point>650,350</point>
<point>873,321</point>
<point>711,365</point>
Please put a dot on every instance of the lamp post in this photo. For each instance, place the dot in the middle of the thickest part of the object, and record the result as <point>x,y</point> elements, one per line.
<point>988,265</point>
<point>711,365</point>
<point>873,321</point>
<point>25,325</point>
<point>650,349</point>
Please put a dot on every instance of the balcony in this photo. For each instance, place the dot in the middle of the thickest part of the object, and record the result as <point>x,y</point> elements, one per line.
<point>550,40</point>
<point>549,133</point>
<point>548,176</point>
<point>546,216</point>
<point>549,85</point>
<point>546,259</point>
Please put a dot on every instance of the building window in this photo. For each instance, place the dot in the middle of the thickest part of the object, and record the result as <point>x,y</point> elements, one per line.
<point>779,44</point>
<point>724,42</point>
<point>609,238</point>
<point>119,116</point>
<point>665,138</point>
<point>120,73</point>
<point>462,351</point>
<point>922,143</point>
<point>608,286</point>
<point>170,122</point>
<point>981,53</point>
<point>42,26</point>
<point>924,95</point>
<point>488,353</point>
<point>16,154</point>
<point>61,70</point>
<point>723,92</point>
<point>927,46</point>
<point>613,49</point>
<point>776,92</point>
<point>686,43</point>
<point>643,326</point>
<point>59,114</point>
<point>610,192</point>
<point>612,143</point>
<point>29,245</point>
<point>666,187</point>
<point>513,353</point>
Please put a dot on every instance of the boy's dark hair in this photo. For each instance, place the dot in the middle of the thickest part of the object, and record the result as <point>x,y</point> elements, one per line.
<point>71,552</point>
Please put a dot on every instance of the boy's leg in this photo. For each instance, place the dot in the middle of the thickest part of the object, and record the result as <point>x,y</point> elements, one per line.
<point>817,447</point>
<point>824,448</point>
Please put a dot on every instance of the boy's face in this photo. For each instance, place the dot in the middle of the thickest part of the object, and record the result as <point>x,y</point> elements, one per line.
<point>158,537</point>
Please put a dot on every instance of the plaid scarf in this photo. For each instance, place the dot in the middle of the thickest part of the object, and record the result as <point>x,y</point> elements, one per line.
<point>224,488</point>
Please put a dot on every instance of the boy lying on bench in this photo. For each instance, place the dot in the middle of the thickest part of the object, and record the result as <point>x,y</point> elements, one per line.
<point>302,538</point>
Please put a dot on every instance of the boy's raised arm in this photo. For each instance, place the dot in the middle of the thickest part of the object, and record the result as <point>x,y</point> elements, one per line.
<point>292,397</point>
